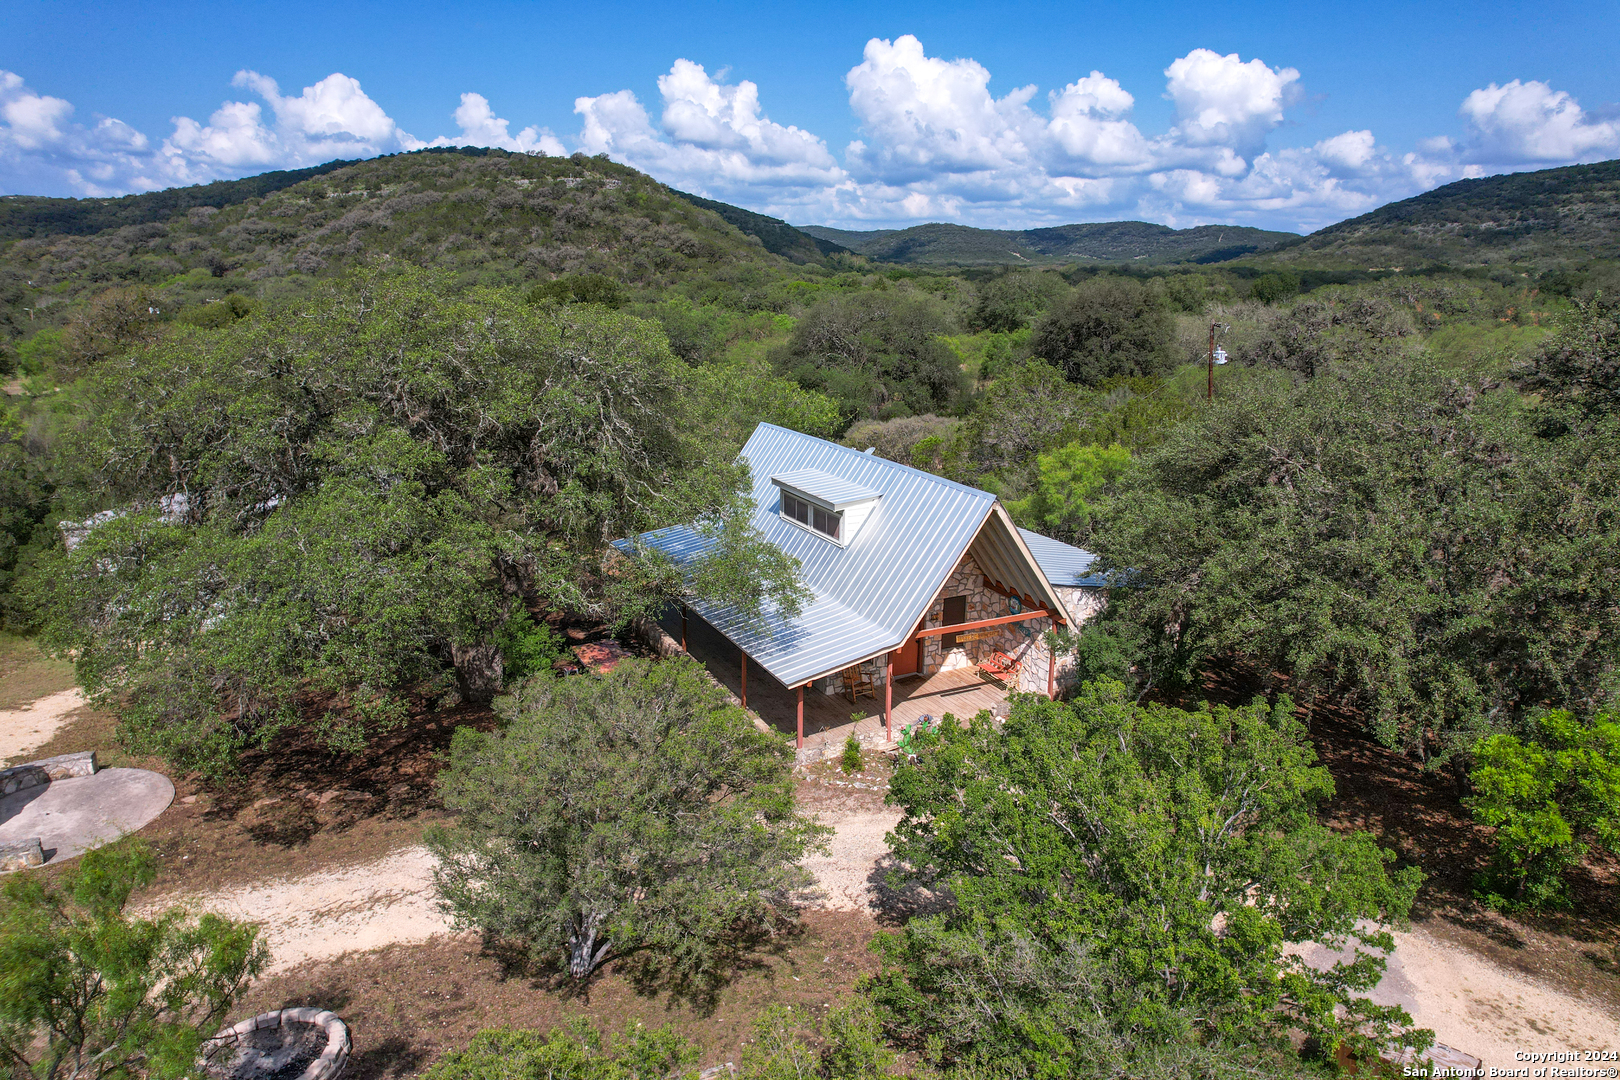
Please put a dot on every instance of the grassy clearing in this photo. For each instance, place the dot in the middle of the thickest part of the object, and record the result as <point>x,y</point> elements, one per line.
<point>27,674</point>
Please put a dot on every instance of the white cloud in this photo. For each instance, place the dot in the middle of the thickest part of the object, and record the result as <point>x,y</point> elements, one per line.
<point>923,116</point>
<point>1088,124</point>
<point>43,151</point>
<point>481,127</point>
<point>1531,123</point>
<point>934,143</point>
<point>715,139</point>
<point>332,119</point>
<point>1224,102</point>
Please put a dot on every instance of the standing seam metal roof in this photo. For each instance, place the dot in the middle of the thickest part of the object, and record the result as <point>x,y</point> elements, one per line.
<point>868,594</point>
<point>1063,564</point>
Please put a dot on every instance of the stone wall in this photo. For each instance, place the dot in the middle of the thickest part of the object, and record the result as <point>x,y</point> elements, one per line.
<point>1022,640</point>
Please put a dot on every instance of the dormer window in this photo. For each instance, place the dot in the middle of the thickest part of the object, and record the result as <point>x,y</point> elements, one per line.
<point>808,513</point>
<point>828,505</point>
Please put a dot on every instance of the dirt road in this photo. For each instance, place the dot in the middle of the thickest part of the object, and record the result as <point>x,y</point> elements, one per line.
<point>330,912</point>
<point>32,725</point>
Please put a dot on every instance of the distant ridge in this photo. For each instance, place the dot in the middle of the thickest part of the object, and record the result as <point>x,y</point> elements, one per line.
<point>778,236</point>
<point>26,216</point>
<point>1137,242</point>
<point>1542,220</point>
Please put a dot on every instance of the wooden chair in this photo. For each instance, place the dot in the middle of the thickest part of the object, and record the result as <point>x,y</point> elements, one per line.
<point>858,682</point>
<point>1000,667</point>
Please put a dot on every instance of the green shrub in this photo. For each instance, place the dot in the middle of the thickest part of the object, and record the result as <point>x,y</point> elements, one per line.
<point>576,1053</point>
<point>527,647</point>
<point>89,992</point>
<point>851,761</point>
<point>850,1045</point>
<point>636,815</point>
<point>1551,799</point>
<point>1274,287</point>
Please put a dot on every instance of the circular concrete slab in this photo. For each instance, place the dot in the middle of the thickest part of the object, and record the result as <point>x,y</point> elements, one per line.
<point>72,816</point>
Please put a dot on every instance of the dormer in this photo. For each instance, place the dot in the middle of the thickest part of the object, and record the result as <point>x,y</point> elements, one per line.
<point>829,506</point>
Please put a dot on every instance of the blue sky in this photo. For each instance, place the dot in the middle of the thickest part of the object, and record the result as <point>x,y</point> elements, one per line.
<point>861,115</point>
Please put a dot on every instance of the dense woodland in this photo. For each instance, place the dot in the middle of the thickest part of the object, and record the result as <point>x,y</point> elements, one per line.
<point>325,445</point>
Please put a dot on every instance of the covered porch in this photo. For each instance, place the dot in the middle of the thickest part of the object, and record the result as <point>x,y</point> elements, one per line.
<point>828,718</point>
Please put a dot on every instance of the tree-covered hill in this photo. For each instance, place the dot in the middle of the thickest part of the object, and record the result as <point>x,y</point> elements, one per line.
<point>37,215</point>
<point>1134,242</point>
<point>487,217</point>
<point>778,236</point>
<point>1544,220</point>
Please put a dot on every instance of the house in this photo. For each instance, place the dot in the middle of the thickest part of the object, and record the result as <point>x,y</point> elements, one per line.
<point>911,574</point>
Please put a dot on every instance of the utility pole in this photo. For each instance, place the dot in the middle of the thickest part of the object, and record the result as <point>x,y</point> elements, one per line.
<point>1213,359</point>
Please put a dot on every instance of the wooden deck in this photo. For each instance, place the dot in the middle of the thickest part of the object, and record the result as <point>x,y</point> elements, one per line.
<point>828,719</point>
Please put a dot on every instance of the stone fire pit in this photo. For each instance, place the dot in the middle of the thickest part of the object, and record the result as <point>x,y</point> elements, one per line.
<point>288,1044</point>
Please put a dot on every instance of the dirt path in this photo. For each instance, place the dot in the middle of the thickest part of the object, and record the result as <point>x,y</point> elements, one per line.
<point>846,879</point>
<point>1478,1006</point>
<point>23,729</point>
<point>331,912</point>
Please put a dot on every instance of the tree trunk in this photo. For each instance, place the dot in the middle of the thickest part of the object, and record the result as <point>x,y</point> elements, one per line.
<point>584,954</point>
<point>479,674</point>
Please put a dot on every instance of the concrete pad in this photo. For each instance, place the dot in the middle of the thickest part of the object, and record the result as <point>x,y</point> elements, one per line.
<point>74,815</point>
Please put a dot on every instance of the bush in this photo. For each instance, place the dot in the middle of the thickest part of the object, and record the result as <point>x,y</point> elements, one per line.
<point>1551,799</point>
<point>851,761</point>
<point>637,814</point>
<point>576,1053</point>
<point>580,289</point>
<point>1110,326</point>
<point>1128,883</point>
<point>87,991</point>
<point>850,1046</point>
<point>527,647</point>
<point>1274,287</point>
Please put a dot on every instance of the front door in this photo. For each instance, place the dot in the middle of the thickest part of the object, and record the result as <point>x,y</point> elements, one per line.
<point>908,658</point>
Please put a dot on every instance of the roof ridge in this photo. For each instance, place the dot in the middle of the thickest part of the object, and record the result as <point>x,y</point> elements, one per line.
<point>864,456</point>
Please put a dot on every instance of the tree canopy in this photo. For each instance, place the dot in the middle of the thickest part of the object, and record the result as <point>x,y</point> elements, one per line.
<point>1386,534</point>
<point>1108,327</point>
<point>636,815</point>
<point>349,494</point>
<point>87,992</point>
<point>1125,880</point>
<point>877,353</point>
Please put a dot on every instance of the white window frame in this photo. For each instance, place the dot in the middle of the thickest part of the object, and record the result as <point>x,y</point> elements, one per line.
<point>811,507</point>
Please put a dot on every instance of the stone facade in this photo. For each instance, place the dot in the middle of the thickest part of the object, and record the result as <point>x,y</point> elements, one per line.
<point>1024,641</point>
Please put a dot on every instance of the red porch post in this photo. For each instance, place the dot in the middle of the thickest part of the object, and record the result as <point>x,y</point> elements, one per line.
<point>744,678</point>
<point>1051,672</point>
<point>683,628</point>
<point>888,698</point>
<point>800,744</point>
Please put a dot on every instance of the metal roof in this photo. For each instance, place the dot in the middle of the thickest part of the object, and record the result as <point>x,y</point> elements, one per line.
<point>835,491</point>
<point>1063,564</point>
<point>869,595</point>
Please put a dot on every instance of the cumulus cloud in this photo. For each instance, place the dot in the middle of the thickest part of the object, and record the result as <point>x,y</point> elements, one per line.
<point>934,142</point>
<point>712,137</point>
<point>1224,102</point>
<point>481,127</point>
<point>923,116</point>
<point>44,151</point>
<point>1088,124</point>
<point>1531,123</point>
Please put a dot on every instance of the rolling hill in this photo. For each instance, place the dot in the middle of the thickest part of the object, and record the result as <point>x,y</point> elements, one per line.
<point>1541,220</point>
<point>485,216</point>
<point>1136,242</point>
